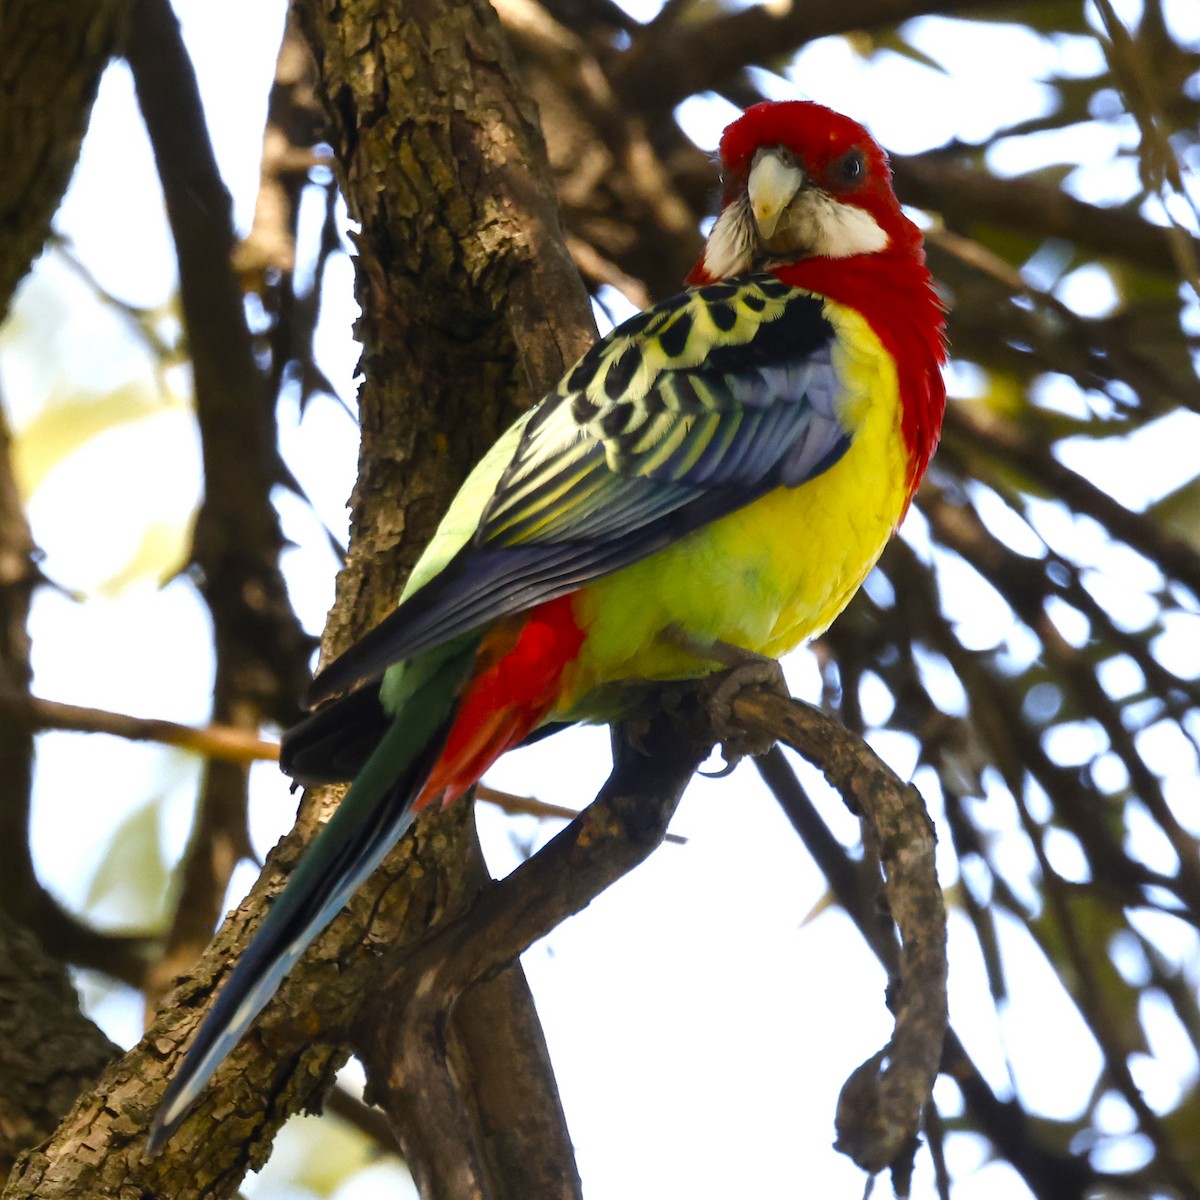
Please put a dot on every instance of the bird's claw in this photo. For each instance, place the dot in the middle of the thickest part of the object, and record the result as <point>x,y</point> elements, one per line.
<point>743,669</point>
<point>719,694</point>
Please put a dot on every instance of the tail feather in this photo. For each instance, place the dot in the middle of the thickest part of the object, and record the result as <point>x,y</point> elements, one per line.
<point>374,814</point>
<point>455,709</point>
<point>333,743</point>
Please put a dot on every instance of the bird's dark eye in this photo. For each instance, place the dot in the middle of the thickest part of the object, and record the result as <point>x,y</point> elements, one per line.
<point>852,166</point>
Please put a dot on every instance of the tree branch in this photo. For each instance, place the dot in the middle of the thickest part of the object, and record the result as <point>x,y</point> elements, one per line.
<point>212,741</point>
<point>22,895</point>
<point>881,1106</point>
<point>407,1026</point>
<point>454,295</point>
<point>880,1109</point>
<point>968,197</point>
<point>1050,1175</point>
<point>463,300</point>
<point>994,435</point>
<point>617,195</point>
<point>702,56</point>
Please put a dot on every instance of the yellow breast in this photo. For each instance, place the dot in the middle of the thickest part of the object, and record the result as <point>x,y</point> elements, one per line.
<point>774,573</point>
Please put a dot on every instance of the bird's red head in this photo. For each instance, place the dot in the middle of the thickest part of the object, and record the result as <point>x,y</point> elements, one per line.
<point>802,181</point>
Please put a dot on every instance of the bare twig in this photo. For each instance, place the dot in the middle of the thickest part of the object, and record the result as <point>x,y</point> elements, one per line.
<point>363,1117</point>
<point>533,807</point>
<point>224,743</point>
<point>212,741</point>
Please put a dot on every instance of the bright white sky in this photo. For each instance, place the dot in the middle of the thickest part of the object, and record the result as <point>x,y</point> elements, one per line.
<point>701,1018</point>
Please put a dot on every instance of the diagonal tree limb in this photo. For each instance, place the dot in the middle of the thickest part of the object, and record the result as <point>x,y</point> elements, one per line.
<point>881,1107</point>
<point>283,1067</point>
<point>968,197</point>
<point>617,195</point>
<point>994,435</point>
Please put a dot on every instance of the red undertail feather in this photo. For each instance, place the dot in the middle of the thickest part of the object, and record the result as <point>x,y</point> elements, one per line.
<point>517,680</point>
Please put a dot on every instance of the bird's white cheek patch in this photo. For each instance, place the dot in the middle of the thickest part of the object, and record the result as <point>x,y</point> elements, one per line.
<point>840,230</point>
<point>730,246</point>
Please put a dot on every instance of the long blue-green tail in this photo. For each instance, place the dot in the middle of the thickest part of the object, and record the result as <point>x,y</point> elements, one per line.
<point>371,818</point>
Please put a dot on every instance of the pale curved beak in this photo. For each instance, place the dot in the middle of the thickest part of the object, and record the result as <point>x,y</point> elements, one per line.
<point>772,186</point>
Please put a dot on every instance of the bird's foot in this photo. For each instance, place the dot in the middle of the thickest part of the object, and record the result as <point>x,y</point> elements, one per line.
<point>743,669</point>
<point>719,694</point>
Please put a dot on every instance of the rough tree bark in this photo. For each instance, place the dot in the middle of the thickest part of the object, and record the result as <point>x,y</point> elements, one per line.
<point>49,1052</point>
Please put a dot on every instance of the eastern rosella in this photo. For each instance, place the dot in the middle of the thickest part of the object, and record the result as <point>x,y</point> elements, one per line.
<point>729,463</point>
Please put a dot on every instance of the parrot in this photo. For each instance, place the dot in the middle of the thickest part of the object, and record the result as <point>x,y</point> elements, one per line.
<point>728,463</point>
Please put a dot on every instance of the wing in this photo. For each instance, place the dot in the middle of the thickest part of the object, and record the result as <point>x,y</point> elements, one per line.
<point>681,415</point>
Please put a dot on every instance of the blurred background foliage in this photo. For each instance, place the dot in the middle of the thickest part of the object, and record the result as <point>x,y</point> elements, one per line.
<point>1029,648</point>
